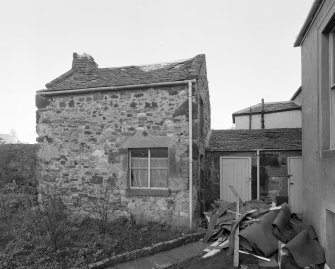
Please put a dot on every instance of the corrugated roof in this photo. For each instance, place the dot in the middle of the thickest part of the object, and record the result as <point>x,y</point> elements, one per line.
<point>249,140</point>
<point>86,74</point>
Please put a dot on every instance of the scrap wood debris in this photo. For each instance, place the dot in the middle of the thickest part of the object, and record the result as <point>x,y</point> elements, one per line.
<point>261,229</point>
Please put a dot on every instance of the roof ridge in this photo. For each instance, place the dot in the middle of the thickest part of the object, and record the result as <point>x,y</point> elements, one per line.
<point>87,75</point>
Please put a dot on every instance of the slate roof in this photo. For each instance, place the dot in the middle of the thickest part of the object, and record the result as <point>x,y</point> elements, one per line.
<point>250,140</point>
<point>298,91</point>
<point>268,108</point>
<point>86,74</point>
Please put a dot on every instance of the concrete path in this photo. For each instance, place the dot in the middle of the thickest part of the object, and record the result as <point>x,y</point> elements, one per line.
<point>164,259</point>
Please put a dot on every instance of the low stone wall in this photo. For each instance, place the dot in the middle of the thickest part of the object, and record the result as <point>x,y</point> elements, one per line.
<point>155,248</point>
<point>18,163</point>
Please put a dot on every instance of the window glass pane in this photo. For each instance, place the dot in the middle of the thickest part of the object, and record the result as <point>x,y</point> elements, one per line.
<point>139,162</point>
<point>332,57</point>
<point>159,152</point>
<point>332,119</point>
<point>139,153</point>
<point>158,162</point>
<point>139,178</point>
<point>159,178</point>
<point>139,168</point>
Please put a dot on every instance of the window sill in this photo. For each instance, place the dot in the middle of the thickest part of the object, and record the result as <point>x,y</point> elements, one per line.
<point>149,192</point>
<point>328,154</point>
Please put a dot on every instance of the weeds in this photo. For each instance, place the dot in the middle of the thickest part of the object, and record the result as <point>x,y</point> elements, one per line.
<point>44,236</point>
<point>53,220</point>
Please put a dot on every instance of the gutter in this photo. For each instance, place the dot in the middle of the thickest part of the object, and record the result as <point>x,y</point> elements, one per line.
<point>250,150</point>
<point>111,88</point>
<point>308,22</point>
<point>265,112</point>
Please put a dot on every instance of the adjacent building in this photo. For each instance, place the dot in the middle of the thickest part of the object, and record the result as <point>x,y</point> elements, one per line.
<point>126,137</point>
<point>317,42</point>
<point>270,115</point>
<point>260,158</point>
<point>10,138</point>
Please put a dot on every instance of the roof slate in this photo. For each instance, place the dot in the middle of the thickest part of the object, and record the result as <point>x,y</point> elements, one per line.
<point>94,77</point>
<point>247,140</point>
<point>269,108</point>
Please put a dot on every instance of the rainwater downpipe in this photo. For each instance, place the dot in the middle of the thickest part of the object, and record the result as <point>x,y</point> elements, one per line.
<point>258,173</point>
<point>190,117</point>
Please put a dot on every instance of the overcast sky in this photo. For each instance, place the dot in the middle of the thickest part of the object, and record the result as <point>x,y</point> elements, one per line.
<point>248,46</point>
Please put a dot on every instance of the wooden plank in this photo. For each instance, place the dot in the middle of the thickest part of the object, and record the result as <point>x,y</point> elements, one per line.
<point>256,256</point>
<point>236,239</point>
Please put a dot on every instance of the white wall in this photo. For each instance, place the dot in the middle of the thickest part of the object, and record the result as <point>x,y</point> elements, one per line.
<point>285,119</point>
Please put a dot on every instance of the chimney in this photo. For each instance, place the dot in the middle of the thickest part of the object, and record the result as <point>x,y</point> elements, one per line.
<point>83,63</point>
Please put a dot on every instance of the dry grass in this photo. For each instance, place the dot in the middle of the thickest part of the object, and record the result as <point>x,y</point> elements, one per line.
<point>32,236</point>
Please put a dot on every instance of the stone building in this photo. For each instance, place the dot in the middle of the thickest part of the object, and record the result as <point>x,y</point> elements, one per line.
<point>259,163</point>
<point>261,157</point>
<point>121,136</point>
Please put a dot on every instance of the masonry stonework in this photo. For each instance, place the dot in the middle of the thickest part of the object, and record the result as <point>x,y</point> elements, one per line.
<point>85,140</point>
<point>18,163</point>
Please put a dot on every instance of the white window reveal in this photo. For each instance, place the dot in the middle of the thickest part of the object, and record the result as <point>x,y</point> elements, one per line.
<point>149,168</point>
<point>332,87</point>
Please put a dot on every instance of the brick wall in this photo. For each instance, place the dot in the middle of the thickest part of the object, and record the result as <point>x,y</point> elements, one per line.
<point>18,162</point>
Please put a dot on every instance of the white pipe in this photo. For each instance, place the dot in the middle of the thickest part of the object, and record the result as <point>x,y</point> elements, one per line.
<point>190,152</point>
<point>258,173</point>
<point>111,88</point>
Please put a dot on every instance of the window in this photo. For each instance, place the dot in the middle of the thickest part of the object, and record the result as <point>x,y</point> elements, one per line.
<point>327,92</point>
<point>332,88</point>
<point>149,168</point>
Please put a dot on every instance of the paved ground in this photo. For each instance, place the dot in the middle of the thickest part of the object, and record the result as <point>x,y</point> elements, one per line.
<point>164,259</point>
<point>189,257</point>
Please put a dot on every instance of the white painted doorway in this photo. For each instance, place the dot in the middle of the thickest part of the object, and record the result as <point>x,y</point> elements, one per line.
<point>295,186</point>
<point>236,172</point>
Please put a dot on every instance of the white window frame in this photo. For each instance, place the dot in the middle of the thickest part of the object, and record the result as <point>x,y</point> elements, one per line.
<point>149,170</point>
<point>332,89</point>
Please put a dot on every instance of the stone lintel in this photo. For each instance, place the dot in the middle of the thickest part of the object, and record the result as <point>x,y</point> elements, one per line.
<point>148,142</point>
<point>149,192</point>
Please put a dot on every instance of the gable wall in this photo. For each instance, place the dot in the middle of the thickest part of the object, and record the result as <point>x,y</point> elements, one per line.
<point>84,153</point>
<point>318,172</point>
<point>284,119</point>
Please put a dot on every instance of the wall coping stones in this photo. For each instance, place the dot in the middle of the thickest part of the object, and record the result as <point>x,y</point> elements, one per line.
<point>158,247</point>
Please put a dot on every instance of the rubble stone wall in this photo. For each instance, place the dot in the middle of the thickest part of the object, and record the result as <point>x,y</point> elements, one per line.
<point>84,149</point>
<point>203,125</point>
<point>18,163</point>
<point>273,175</point>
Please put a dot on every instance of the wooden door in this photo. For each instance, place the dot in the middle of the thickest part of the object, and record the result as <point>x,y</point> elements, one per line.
<point>295,187</point>
<point>236,172</point>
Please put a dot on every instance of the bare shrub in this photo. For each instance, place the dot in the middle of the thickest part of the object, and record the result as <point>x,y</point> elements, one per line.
<point>53,220</point>
<point>103,208</point>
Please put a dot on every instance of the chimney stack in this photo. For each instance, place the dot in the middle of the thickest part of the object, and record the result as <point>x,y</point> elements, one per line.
<point>83,63</point>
